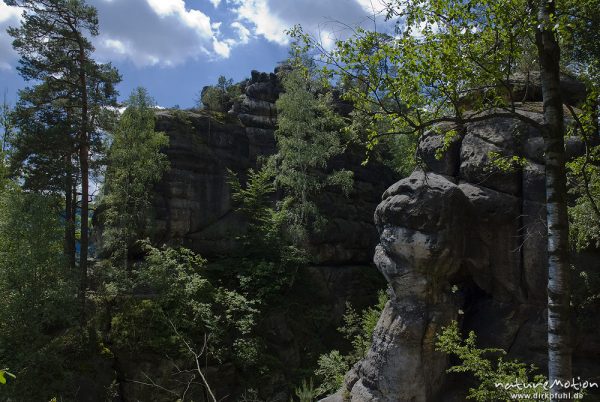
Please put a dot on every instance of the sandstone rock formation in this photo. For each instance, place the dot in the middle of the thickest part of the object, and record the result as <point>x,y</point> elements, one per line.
<point>194,208</point>
<point>193,204</point>
<point>461,235</point>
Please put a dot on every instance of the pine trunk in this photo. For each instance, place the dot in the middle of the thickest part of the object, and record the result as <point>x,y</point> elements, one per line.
<point>69,214</point>
<point>84,165</point>
<point>559,345</point>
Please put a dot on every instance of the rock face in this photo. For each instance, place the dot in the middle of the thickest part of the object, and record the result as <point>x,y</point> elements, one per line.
<point>461,235</point>
<point>193,208</point>
<point>193,204</point>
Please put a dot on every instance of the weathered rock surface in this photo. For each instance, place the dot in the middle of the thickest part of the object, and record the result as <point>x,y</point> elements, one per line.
<point>528,87</point>
<point>419,261</point>
<point>193,203</point>
<point>194,209</point>
<point>468,226</point>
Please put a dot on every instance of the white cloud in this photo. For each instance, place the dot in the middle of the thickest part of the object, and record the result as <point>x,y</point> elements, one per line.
<point>116,45</point>
<point>168,32</point>
<point>327,20</point>
<point>9,16</point>
<point>156,32</point>
<point>222,48</point>
<point>244,33</point>
<point>266,23</point>
<point>372,6</point>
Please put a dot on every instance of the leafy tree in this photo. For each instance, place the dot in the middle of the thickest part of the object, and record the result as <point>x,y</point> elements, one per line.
<point>584,176</point>
<point>494,376</point>
<point>268,260</point>
<point>585,214</point>
<point>171,306</point>
<point>37,292</point>
<point>56,53</point>
<point>219,97</point>
<point>452,62</point>
<point>332,369</point>
<point>135,165</point>
<point>308,137</point>
<point>358,330</point>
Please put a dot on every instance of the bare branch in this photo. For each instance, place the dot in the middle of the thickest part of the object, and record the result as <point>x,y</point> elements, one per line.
<point>196,357</point>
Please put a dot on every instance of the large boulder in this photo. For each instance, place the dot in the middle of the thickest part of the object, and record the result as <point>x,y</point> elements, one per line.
<point>463,235</point>
<point>419,259</point>
<point>527,87</point>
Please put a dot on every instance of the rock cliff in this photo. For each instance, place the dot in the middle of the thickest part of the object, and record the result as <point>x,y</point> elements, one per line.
<point>193,204</point>
<point>193,208</point>
<point>461,239</point>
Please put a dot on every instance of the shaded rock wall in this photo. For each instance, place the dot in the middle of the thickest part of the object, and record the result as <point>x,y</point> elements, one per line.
<point>462,240</point>
<point>194,209</point>
<point>193,204</point>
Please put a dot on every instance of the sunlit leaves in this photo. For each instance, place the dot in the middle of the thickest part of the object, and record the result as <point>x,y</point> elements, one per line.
<point>446,57</point>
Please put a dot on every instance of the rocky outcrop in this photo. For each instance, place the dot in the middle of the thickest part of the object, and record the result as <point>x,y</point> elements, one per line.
<point>461,240</point>
<point>528,87</point>
<point>194,209</point>
<point>193,203</point>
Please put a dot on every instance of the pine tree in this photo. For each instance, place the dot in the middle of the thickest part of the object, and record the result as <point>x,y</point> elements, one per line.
<point>56,53</point>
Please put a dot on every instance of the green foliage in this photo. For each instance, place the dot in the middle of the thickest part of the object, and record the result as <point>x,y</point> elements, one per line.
<point>449,137</point>
<point>581,39</point>
<point>586,301</point>
<point>332,367</point>
<point>254,200</point>
<point>48,117</point>
<point>584,175</point>
<point>173,288</point>
<point>308,137</point>
<point>585,222</point>
<point>135,164</point>
<point>306,392</point>
<point>6,126</point>
<point>449,61</point>
<point>37,292</point>
<point>5,373</point>
<point>443,53</point>
<point>403,150</point>
<point>358,329</point>
<point>268,261</point>
<point>488,373</point>
<point>506,163</point>
<point>220,97</point>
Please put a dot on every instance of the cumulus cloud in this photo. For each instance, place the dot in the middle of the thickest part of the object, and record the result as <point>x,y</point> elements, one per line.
<point>244,33</point>
<point>327,20</point>
<point>157,32</point>
<point>167,33</point>
<point>9,16</point>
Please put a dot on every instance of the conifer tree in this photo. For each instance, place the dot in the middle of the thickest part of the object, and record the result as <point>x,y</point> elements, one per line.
<point>135,165</point>
<point>56,54</point>
<point>308,137</point>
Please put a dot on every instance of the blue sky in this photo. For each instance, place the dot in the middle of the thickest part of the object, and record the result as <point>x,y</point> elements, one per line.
<point>175,47</point>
